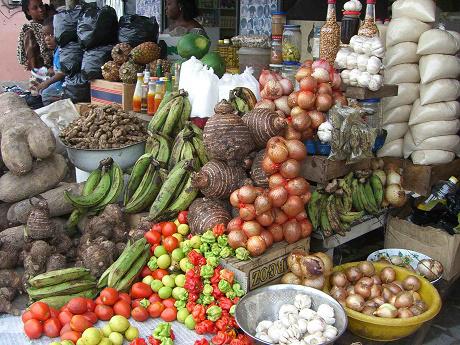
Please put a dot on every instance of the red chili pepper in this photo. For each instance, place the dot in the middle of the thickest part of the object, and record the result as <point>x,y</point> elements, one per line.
<point>138,341</point>
<point>221,338</point>
<point>216,292</point>
<point>190,305</point>
<point>218,229</point>
<point>203,341</point>
<point>210,326</point>
<point>223,323</point>
<point>200,328</point>
<point>196,258</point>
<point>199,313</point>
<point>235,300</point>
<point>245,339</point>
<point>153,341</point>
<point>227,275</point>
<point>172,335</point>
<point>237,342</point>
<point>225,303</point>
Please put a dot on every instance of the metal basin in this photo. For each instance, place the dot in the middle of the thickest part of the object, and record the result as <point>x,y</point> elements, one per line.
<point>265,302</point>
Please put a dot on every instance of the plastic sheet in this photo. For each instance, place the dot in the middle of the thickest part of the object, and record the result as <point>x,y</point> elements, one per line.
<point>77,89</point>
<point>65,25</point>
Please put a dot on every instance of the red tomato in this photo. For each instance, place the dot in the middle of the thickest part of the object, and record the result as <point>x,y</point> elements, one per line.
<point>159,273</point>
<point>169,314</point>
<point>141,290</point>
<point>52,327</point>
<point>182,217</point>
<point>79,323</point>
<point>98,300</point>
<point>54,312</point>
<point>27,315</point>
<point>168,229</point>
<point>109,296</point>
<point>136,302</point>
<point>103,312</point>
<point>64,308</point>
<point>90,304</point>
<point>78,305</point>
<point>155,309</point>
<point>153,237</point>
<point>90,316</point>
<point>122,308</point>
<point>154,298</point>
<point>170,243</point>
<point>33,329</point>
<point>140,314</point>
<point>156,227</point>
<point>146,271</point>
<point>169,302</point>
<point>40,311</point>
<point>65,317</point>
<point>66,328</point>
<point>123,296</point>
<point>72,336</point>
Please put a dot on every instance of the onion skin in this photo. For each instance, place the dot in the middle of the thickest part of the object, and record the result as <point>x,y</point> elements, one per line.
<point>290,278</point>
<point>355,302</point>
<point>247,212</point>
<point>262,204</point>
<point>309,84</point>
<point>235,224</point>
<point>367,310</point>
<point>290,168</point>
<point>277,150</point>
<point>416,311</point>
<point>291,134</point>
<point>339,279</point>
<point>327,262</point>
<point>306,100</point>
<point>394,288</point>
<point>353,274</point>
<point>266,219</point>
<point>377,280</point>
<point>411,283</point>
<point>276,180</point>
<point>404,313</point>
<point>367,268</point>
<point>387,311</point>
<point>280,216</point>
<point>404,300</point>
<point>302,216</point>
<point>282,105</point>
<point>306,228</point>
<point>293,206</point>
<point>278,196</point>
<point>316,283</point>
<point>252,228</point>
<point>387,294</point>
<point>287,86</point>
<point>237,239</point>
<point>317,118</point>
<point>269,167</point>
<point>268,238</point>
<point>297,186</point>
<point>277,232</point>
<point>363,289</point>
<point>291,231</point>
<point>234,200</point>
<point>247,194</point>
<point>301,122</point>
<point>292,100</point>
<point>325,88</point>
<point>323,102</point>
<point>256,245</point>
<point>388,275</point>
<point>303,72</point>
<point>378,300</point>
<point>338,293</point>
<point>376,291</point>
<point>296,149</point>
<point>265,104</point>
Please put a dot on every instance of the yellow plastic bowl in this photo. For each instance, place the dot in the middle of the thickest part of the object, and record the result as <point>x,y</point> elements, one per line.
<point>382,329</point>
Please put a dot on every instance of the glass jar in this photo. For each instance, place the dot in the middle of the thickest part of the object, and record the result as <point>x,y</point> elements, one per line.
<point>277,68</point>
<point>276,56</point>
<point>292,43</point>
<point>313,41</point>
<point>373,110</point>
<point>289,71</point>
<point>368,27</point>
<point>350,26</point>
<point>330,35</point>
<point>278,22</point>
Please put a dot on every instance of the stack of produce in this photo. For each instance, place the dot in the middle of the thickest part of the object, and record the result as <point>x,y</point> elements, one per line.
<point>409,22</point>
<point>274,92</point>
<point>433,121</point>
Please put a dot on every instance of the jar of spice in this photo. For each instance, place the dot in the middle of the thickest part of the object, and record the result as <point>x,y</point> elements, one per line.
<point>289,71</point>
<point>350,26</point>
<point>278,22</point>
<point>368,27</point>
<point>276,56</point>
<point>330,35</point>
<point>277,68</point>
<point>292,42</point>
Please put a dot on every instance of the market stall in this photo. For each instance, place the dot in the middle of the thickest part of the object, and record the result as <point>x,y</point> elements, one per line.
<point>193,185</point>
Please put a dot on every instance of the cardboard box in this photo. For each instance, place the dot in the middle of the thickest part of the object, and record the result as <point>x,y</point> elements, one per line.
<point>107,92</point>
<point>265,269</point>
<point>435,243</point>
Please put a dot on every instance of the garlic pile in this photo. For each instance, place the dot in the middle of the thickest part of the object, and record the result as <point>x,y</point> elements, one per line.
<point>298,324</point>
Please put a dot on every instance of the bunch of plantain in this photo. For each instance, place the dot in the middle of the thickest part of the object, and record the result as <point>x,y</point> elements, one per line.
<point>103,187</point>
<point>56,288</point>
<point>242,99</point>
<point>188,145</point>
<point>172,114</point>
<point>159,146</point>
<point>123,272</point>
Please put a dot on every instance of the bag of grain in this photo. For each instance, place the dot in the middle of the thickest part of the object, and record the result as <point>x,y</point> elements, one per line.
<point>438,41</point>
<point>426,130</point>
<point>442,90</point>
<point>434,112</point>
<point>398,114</point>
<point>438,66</point>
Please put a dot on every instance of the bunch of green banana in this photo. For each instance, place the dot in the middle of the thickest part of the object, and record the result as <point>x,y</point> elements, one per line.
<point>367,194</point>
<point>58,287</point>
<point>159,146</point>
<point>122,273</point>
<point>242,99</point>
<point>188,145</point>
<point>173,112</point>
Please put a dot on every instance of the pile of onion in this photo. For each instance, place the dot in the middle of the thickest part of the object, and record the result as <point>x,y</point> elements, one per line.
<point>275,90</point>
<point>362,289</point>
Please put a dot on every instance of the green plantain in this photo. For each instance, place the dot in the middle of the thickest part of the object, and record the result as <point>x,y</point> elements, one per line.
<point>96,196</point>
<point>138,172</point>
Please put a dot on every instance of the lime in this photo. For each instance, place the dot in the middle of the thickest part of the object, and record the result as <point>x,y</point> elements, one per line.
<point>159,251</point>
<point>91,336</point>
<point>131,333</point>
<point>177,254</point>
<point>165,292</point>
<point>168,281</point>
<point>189,322</point>
<point>164,261</point>
<point>119,323</point>
<point>106,330</point>
<point>182,315</point>
<point>116,338</point>
<point>180,280</point>
<point>156,285</point>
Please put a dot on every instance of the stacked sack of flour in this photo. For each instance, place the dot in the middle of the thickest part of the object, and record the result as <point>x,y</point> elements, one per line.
<point>411,19</point>
<point>434,124</point>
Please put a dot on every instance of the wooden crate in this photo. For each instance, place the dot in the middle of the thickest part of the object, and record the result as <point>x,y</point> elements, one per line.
<point>107,92</point>
<point>363,93</point>
<point>319,169</point>
<point>265,269</point>
<point>420,178</point>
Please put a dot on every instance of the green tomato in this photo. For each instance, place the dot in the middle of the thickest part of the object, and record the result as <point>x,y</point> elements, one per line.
<point>177,292</point>
<point>92,336</point>
<point>68,342</point>
<point>159,251</point>
<point>173,275</point>
<point>106,330</point>
<point>164,261</point>
<point>165,292</point>
<point>183,229</point>
<point>116,338</point>
<point>119,323</point>
<point>131,333</point>
<point>180,280</point>
<point>184,264</point>
<point>177,254</point>
<point>58,343</point>
<point>182,315</point>
<point>195,241</point>
<point>189,322</point>
<point>147,280</point>
<point>79,342</point>
<point>156,285</point>
<point>168,281</point>
<point>105,341</point>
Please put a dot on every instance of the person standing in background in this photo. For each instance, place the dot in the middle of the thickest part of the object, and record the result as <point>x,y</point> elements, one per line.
<point>181,16</point>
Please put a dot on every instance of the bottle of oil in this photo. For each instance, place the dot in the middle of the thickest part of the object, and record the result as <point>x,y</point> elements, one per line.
<point>438,194</point>
<point>137,97</point>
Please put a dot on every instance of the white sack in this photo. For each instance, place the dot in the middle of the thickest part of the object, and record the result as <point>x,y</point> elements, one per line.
<point>442,90</point>
<point>403,73</point>
<point>423,131</point>
<point>434,112</point>
<point>445,143</point>
<point>407,94</point>
<point>408,146</point>
<point>395,131</point>
<point>423,10</point>
<point>429,157</point>
<point>230,81</point>
<point>392,149</point>
<point>437,41</point>
<point>405,52</point>
<point>405,30</point>
<point>438,66</point>
<point>398,114</point>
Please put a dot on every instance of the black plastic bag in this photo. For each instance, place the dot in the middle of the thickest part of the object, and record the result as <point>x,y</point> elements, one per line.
<point>70,58</point>
<point>76,88</point>
<point>93,59</point>
<point>135,29</point>
<point>65,25</point>
<point>97,27</point>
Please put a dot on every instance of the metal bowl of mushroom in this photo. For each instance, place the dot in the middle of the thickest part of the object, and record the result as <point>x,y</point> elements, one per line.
<point>290,314</point>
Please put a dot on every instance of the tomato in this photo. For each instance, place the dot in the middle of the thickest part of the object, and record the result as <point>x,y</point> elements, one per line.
<point>77,305</point>
<point>170,243</point>
<point>64,308</point>
<point>182,217</point>
<point>152,248</point>
<point>27,315</point>
<point>98,300</point>
<point>154,298</point>
<point>109,296</point>
<point>169,314</point>
<point>65,317</point>
<point>90,304</point>
<point>79,323</point>
<point>153,237</point>
<point>155,309</point>
<point>40,311</point>
<point>141,290</point>
<point>54,312</point>
<point>157,227</point>
<point>90,316</point>
<point>103,312</point>
<point>159,273</point>
<point>169,302</point>
<point>140,314</point>
<point>136,302</point>
<point>33,329</point>
<point>146,272</point>
<point>73,336</point>
<point>123,296</point>
<point>122,308</point>
<point>66,328</point>
<point>52,327</point>
<point>168,229</point>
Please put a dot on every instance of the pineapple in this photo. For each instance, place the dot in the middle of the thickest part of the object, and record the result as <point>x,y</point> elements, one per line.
<point>110,71</point>
<point>145,53</point>
<point>120,53</point>
<point>128,72</point>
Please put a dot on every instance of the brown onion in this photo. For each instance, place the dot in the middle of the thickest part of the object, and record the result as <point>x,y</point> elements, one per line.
<point>388,275</point>
<point>404,300</point>
<point>290,168</point>
<point>290,278</point>
<point>376,291</point>
<point>252,228</point>
<point>266,218</point>
<point>387,294</point>
<point>268,166</point>
<point>338,293</point>
<point>404,313</point>
<point>416,296</point>
<point>386,310</point>
<point>247,212</point>
<point>247,194</point>
<point>292,99</point>
<point>355,302</point>
<point>353,274</point>
<point>411,283</point>
<point>276,180</point>
<point>277,151</point>
<point>280,216</point>
<point>398,284</point>
<point>234,200</point>
<point>315,283</point>
<point>371,303</point>
<point>306,197</point>
<point>290,133</point>
<point>379,300</point>
<point>296,149</point>
<point>297,186</point>
<point>303,72</point>
<point>291,231</point>
<point>367,268</point>
<point>306,100</point>
<point>308,134</point>
<point>308,84</point>
<point>268,238</point>
<point>256,245</point>
<point>339,279</point>
<point>237,239</point>
<point>301,122</point>
<point>323,102</point>
<point>278,196</point>
<point>262,204</point>
<point>376,279</point>
<point>351,290</point>
<point>363,289</point>
<point>301,216</point>
<point>297,111</point>
<point>293,206</point>
<point>395,289</point>
<point>416,311</point>
<point>306,228</point>
<point>421,305</point>
<point>369,310</point>
<point>235,224</point>
<point>317,118</point>
<point>277,232</point>
<point>327,262</point>
<point>325,88</point>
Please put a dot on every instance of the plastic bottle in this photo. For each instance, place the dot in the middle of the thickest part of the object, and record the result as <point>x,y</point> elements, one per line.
<point>330,35</point>
<point>137,97</point>
<point>159,69</point>
<point>151,99</point>
<point>368,27</point>
<point>158,94</point>
<point>439,193</point>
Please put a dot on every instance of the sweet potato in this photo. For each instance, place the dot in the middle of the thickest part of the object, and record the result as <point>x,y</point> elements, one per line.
<point>45,175</point>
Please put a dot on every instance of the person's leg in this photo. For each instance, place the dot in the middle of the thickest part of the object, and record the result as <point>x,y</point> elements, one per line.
<point>51,94</point>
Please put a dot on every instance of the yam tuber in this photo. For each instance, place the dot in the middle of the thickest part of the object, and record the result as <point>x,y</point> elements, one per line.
<point>13,237</point>
<point>264,124</point>
<point>39,225</point>
<point>205,213</point>
<point>56,262</point>
<point>9,257</point>
<point>5,223</point>
<point>10,278</point>
<point>258,175</point>
<point>97,259</point>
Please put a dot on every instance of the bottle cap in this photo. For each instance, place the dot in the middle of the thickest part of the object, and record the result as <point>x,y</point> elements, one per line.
<point>226,41</point>
<point>221,41</point>
<point>351,13</point>
<point>371,2</point>
<point>331,1</point>
<point>276,37</point>
<point>279,13</point>
<point>453,179</point>
<point>140,74</point>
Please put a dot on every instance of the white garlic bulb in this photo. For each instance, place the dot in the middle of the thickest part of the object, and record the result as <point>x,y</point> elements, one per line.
<point>316,325</point>
<point>307,314</point>
<point>302,301</point>
<point>330,332</point>
<point>264,337</point>
<point>325,311</point>
<point>313,339</point>
<point>263,326</point>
